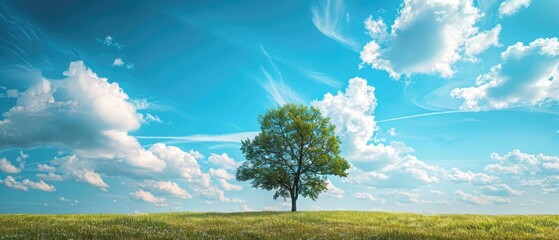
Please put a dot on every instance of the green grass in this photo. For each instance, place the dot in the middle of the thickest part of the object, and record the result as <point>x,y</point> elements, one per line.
<point>279,225</point>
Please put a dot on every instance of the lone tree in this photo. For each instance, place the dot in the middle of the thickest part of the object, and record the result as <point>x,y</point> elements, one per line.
<point>294,152</point>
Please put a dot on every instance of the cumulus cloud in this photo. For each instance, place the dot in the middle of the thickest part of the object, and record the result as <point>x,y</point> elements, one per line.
<point>223,161</point>
<point>479,199</point>
<point>427,37</point>
<point>331,18</point>
<point>181,163</point>
<point>532,170</point>
<point>185,165</point>
<point>7,167</point>
<point>50,177</point>
<point>333,191</point>
<point>459,176</point>
<point>500,189</point>
<point>549,184</point>
<point>519,163</point>
<point>511,7</point>
<point>10,93</point>
<point>118,62</point>
<point>527,76</point>
<point>352,114</point>
<point>368,197</point>
<point>90,177</point>
<point>83,112</point>
<point>149,198</point>
<point>222,176</point>
<point>167,187</point>
<point>45,168</point>
<point>481,42</point>
<point>25,184</point>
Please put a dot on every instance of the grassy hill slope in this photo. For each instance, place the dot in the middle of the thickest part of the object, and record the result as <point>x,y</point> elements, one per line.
<point>279,225</point>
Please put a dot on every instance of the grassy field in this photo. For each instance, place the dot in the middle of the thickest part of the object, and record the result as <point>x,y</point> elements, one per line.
<point>278,225</point>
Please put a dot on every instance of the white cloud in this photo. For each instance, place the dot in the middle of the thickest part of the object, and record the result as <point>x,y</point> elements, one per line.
<point>333,191</point>
<point>501,189</point>
<point>168,187</point>
<point>110,42</point>
<point>246,208</point>
<point>181,163</point>
<point>549,184</point>
<point>352,114</point>
<point>426,37</point>
<point>519,163</point>
<point>533,170</point>
<point>149,198</point>
<point>118,62</point>
<point>223,161</point>
<point>459,176</point>
<point>528,75</point>
<point>511,7</point>
<point>12,183</point>
<point>481,42</point>
<point>479,199</point>
<point>391,132</point>
<point>220,173</point>
<point>49,177</point>
<point>228,186</point>
<point>90,177</point>
<point>222,177</point>
<point>7,167</point>
<point>45,168</point>
<point>436,192</point>
<point>40,185</point>
<point>368,197</point>
<point>12,93</point>
<point>69,201</point>
<point>151,118</point>
<point>331,18</point>
<point>376,28</point>
<point>185,165</point>
<point>94,115</point>
<point>25,184</point>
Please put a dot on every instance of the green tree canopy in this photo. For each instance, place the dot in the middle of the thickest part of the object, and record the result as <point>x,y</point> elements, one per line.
<point>294,152</point>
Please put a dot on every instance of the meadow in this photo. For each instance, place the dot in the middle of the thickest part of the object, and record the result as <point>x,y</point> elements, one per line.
<point>278,225</point>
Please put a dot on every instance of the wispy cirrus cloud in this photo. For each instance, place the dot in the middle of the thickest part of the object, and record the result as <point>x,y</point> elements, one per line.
<point>274,84</point>
<point>331,18</point>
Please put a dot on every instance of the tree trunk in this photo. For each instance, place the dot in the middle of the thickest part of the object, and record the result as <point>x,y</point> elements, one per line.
<point>293,204</point>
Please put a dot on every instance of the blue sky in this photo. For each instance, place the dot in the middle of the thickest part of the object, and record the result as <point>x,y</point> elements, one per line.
<point>140,106</point>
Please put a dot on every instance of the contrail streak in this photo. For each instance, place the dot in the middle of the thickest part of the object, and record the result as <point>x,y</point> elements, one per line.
<point>421,115</point>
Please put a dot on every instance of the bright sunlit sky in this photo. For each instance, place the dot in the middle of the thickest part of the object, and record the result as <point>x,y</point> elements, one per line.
<point>442,106</point>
